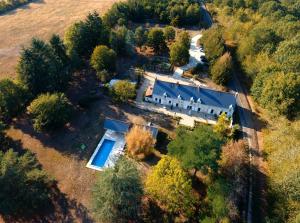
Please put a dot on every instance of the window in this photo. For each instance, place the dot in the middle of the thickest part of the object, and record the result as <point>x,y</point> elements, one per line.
<point>211,111</point>
<point>176,104</point>
<point>170,102</point>
<point>199,109</point>
<point>220,113</point>
<point>155,99</point>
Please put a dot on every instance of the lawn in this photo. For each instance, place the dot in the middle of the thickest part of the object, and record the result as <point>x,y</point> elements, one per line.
<point>39,19</point>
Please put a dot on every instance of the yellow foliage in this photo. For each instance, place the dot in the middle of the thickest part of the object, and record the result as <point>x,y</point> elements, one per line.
<point>140,142</point>
<point>170,185</point>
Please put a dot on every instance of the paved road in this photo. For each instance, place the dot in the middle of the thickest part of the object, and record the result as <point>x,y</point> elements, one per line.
<point>247,124</point>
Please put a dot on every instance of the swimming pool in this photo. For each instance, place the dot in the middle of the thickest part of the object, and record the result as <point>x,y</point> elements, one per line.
<point>103,153</point>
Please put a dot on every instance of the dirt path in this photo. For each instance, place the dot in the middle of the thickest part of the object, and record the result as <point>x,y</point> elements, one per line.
<point>39,19</point>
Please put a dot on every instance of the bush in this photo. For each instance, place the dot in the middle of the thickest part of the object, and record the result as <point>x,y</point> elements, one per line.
<point>50,111</point>
<point>102,59</point>
<point>221,70</point>
<point>13,98</point>
<point>123,90</point>
<point>140,142</point>
<point>117,193</point>
<point>25,188</point>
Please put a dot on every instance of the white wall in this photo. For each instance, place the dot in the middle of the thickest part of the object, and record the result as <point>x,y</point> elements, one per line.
<point>212,110</point>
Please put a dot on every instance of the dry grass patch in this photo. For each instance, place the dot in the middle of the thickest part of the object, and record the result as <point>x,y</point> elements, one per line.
<point>40,19</point>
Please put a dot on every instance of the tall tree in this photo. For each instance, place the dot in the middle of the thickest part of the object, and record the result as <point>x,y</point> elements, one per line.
<point>40,70</point>
<point>221,70</point>
<point>25,188</point>
<point>156,40</point>
<point>198,149</point>
<point>13,98</point>
<point>117,193</point>
<point>170,185</point>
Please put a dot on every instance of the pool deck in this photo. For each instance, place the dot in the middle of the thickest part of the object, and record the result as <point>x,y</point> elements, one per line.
<point>116,151</point>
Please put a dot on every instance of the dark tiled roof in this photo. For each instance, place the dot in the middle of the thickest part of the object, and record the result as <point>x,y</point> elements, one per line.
<point>117,126</point>
<point>207,96</point>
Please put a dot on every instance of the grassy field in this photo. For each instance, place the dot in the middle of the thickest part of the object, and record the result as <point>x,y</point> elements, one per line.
<point>39,19</point>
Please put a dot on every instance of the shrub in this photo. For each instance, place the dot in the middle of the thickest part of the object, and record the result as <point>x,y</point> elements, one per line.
<point>103,60</point>
<point>50,111</point>
<point>140,142</point>
<point>123,91</point>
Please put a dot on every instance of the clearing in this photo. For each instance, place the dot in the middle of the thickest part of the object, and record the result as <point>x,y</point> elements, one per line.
<point>40,19</point>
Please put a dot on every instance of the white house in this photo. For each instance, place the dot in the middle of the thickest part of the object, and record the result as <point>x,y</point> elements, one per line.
<point>193,99</point>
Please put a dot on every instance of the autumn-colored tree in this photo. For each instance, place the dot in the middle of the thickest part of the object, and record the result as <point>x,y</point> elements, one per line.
<point>171,187</point>
<point>221,70</point>
<point>140,142</point>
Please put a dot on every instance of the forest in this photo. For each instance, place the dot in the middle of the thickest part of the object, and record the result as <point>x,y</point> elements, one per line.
<point>264,39</point>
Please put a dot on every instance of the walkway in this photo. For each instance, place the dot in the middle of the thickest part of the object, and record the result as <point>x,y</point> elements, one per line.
<point>149,79</point>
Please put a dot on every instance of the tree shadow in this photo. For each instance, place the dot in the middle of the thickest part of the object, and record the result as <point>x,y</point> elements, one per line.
<point>14,9</point>
<point>59,209</point>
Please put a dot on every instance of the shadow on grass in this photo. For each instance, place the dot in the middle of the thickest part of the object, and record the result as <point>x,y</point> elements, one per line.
<point>59,209</point>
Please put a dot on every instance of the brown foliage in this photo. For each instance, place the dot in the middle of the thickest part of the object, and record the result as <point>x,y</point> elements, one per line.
<point>140,142</point>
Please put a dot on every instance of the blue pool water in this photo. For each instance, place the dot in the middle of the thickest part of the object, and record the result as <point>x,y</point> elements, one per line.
<point>103,153</point>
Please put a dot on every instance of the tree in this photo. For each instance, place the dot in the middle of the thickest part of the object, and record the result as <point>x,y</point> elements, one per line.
<point>169,33</point>
<point>140,36</point>
<point>25,188</point>
<point>287,54</point>
<point>234,161</point>
<point>198,149</point>
<point>184,39</point>
<point>140,142</point>
<point>117,193</point>
<point>59,49</point>
<point>179,54</point>
<point>170,185</point>
<point>179,51</point>
<point>193,14</point>
<point>82,37</point>
<point>213,43</point>
<point>123,91</point>
<point>282,145</point>
<point>40,70</point>
<point>50,111</point>
<point>103,58</point>
<point>156,40</point>
<point>221,70</point>
<point>122,41</point>
<point>13,98</point>
<point>281,93</point>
